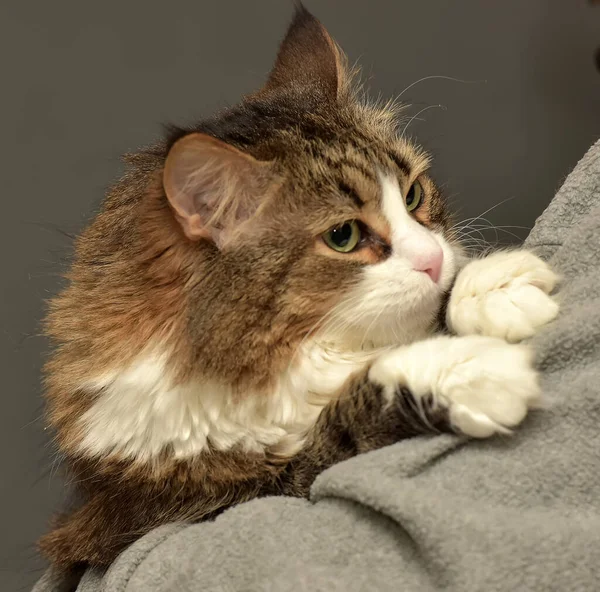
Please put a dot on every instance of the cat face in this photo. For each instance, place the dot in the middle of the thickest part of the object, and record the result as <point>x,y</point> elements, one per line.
<point>324,216</point>
<point>299,214</point>
<point>340,240</point>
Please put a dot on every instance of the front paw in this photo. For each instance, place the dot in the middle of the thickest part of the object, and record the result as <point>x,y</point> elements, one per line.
<point>485,384</point>
<point>504,295</point>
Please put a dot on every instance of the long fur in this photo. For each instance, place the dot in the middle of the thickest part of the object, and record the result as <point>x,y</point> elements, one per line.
<point>211,347</point>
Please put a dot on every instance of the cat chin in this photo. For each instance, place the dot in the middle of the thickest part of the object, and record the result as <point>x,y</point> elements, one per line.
<point>400,324</point>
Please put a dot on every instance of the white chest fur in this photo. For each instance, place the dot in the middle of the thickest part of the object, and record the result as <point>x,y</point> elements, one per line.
<point>139,412</point>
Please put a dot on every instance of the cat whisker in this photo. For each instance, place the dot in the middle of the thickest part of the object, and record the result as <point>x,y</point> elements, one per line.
<point>501,229</point>
<point>495,230</point>
<point>375,319</point>
<point>419,113</point>
<point>436,77</point>
<point>492,208</point>
<point>472,241</point>
<point>474,244</point>
<point>507,226</point>
<point>468,221</point>
<point>474,235</point>
<point>340,325</point>
<point>470,230</point>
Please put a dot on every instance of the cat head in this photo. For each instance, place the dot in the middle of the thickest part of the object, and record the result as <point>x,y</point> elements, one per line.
<point>299,214</point>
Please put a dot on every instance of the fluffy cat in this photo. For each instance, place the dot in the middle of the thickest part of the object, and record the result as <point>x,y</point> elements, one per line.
<point>268,293</point>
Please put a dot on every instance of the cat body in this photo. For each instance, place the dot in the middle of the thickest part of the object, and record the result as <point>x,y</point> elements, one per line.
<point>266,294</point>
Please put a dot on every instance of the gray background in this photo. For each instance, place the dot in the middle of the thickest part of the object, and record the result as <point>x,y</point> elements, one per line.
<point>84,82</point>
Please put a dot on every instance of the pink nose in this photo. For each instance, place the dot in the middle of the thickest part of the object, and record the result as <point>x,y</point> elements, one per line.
<point>430,263</point>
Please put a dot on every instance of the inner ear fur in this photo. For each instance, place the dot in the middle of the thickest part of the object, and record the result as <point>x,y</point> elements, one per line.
<point>213,187</point>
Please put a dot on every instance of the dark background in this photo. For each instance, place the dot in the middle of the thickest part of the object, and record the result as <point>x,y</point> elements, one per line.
<point>84,82</point>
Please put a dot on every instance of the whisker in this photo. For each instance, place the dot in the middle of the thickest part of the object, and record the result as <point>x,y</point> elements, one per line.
<point>475,218</point>
<point>439,78</point>
<point>374,321</point>
<point>472,231</point>
<point>419,113</point>
<point>490,226</point>
<point>493,208</point>
<point>512,226</point>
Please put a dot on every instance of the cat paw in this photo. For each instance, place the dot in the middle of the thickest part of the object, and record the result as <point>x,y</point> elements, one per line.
<point>485,385</point>
<point>504,295</point>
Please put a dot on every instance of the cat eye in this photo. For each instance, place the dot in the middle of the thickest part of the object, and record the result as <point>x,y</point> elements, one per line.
<point>414,196</point>
<point>344,238</point>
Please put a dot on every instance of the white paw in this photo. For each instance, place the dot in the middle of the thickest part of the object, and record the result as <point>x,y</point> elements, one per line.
<point>504,295</point>
<point>486,384</point>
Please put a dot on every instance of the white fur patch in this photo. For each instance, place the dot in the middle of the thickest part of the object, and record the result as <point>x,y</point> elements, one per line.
<point>139,412</point>
<point>393,304</point>
<point>486,384</point>
<point>503,295</point>
<point>409,238</point>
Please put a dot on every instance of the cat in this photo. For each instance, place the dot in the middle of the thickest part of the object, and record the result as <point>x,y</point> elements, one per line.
<point>268,293</point>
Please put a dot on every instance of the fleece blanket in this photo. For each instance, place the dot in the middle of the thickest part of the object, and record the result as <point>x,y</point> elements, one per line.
<point>519,512</point>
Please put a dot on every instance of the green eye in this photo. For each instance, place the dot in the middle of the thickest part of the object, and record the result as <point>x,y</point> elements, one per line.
<point>414,196</point>
<point>343,238</point>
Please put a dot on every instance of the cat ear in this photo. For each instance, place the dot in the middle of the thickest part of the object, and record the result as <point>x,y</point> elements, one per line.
<point>213,187</point>
<point>308,58</point>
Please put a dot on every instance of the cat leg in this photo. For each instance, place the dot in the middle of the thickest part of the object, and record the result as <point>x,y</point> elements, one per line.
<point>477,386</point>
<point>504,295</point>
<point>484,384</point>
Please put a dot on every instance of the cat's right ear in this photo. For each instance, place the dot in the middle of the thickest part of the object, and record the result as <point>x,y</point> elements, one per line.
<point>308,59</point>
<point>213,188</point>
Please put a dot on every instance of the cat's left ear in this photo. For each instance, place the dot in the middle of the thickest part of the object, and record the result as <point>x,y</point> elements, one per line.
<point>308,60</point>
<point>213,187</point>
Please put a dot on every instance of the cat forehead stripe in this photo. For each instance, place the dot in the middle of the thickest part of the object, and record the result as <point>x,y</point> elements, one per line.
<point>401,162</point>
<point>351,193</point>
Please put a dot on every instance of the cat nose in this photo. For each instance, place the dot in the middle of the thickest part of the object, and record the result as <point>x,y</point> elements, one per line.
<point>430,262</point>
<point>423,252</point>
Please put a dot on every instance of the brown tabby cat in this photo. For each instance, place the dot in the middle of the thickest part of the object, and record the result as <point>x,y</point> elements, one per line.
<point>256,302</point>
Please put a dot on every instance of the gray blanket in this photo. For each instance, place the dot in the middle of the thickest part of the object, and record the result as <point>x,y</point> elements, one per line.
<point>513,513</point>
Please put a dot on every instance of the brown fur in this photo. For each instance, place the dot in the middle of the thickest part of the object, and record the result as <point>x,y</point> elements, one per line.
<point>235,314</point>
